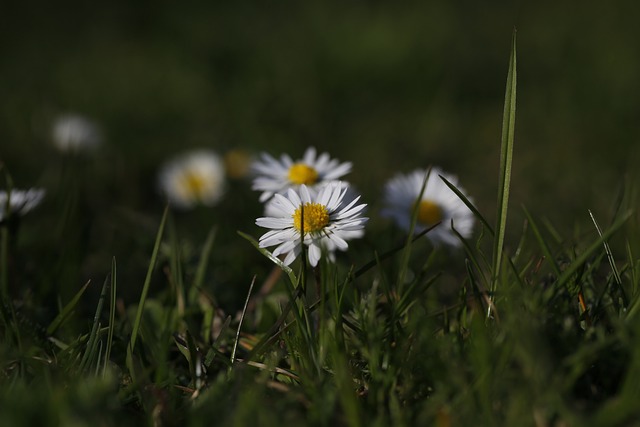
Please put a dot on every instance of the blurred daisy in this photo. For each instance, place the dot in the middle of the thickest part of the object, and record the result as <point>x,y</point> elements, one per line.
<point>20,201</point>
<point>326,220</point>
<point>276,176</point>
<point>193,178</point>
<point>73,132</point>
<point>437,204</point>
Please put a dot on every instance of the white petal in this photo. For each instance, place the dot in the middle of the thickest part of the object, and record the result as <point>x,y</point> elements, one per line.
<point>314,254</point>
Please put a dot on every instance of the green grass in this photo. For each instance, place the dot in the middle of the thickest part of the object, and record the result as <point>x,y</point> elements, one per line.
<point>392,334</point>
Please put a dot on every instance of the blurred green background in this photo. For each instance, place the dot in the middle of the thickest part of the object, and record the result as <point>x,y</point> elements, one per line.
<point>390,87</point>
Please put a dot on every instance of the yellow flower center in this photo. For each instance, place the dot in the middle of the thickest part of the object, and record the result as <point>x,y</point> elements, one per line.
<point>300,173</point>
<point>429,212</point>
<point>193,184</point>
<point>316,217</point>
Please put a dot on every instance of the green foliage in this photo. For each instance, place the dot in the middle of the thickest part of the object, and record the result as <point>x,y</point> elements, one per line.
<point>392,334</point>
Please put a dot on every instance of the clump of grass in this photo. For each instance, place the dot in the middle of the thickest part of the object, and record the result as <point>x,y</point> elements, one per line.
<point>399,338</point>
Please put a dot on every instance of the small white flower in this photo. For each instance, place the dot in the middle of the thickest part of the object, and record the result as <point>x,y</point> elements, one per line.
<point>72,132</point>
<point>277,176</point>
<point>438,204</point>
<point>326,219</point>
<point>20,201</point>
<point>350,195</point>
<point>195,177</point>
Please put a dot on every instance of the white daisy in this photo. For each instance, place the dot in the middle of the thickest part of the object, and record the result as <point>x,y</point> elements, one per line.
<point>73,132</point>
<point>326,220</point>
<point>350,195</point>
<point>20,201</point>
<point>276,176</point>
<point>195,177</point>
<point>438,204</point>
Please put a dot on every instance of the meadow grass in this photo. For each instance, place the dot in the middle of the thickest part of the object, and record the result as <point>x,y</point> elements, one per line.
<point>541,331</point>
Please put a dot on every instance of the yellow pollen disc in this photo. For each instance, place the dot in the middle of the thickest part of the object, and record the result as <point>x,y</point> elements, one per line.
<point>300,173</point>
<point>193,184</point>
<point>429,212</point>
<point>316,217</point>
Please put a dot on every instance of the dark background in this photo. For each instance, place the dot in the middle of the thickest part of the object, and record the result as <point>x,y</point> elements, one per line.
<point>390,87</point>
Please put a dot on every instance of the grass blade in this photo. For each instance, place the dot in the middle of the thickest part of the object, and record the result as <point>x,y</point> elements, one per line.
<point>506,157</point>
<point>542,243</point>
<point>578,262</point>
<point>275,260</point>
<point>147,281</point>
<point>468,203</point>
<point>66,311</point>
<point>244,312</point>
<point>204,258</point>
<point>612,263</point>
<point>112,315</point>
<point>90,353</point>
<point>406,253</point>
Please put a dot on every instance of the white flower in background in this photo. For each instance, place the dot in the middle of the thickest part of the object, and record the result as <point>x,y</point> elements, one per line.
<point>197,177</point>
<point>437,204</point>
<point>73,132</point>
<point>276,176</point>
<point>326,220</point>
<point>20,201</point>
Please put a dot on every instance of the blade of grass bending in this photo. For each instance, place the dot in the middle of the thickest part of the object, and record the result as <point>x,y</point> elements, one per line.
<point>67,310</point>
<point>506,157</point>
<point>612,263</point>
<point>275,260</point>
<point>204,258</point>
<point>112,315</point>
<point>90,352</point>
<point>147,281</point>
<point>578,262</point>
<point>244,312</point>
<point>468,203</point>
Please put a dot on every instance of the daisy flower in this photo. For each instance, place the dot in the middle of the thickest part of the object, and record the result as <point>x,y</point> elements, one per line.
<point>270,208</point>
<point>73,132</point>
<point>437,204</point>
<point>20,201</point>
<point>326,220</point>
<point>195,177</point>
<point>276,176</point>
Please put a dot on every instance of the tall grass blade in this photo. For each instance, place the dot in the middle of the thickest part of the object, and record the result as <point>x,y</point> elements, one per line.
<point>506,157</point>
<point>147,281</point>
<point>90,353</point>
<point>112,315</point>
<point>406,253</point>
